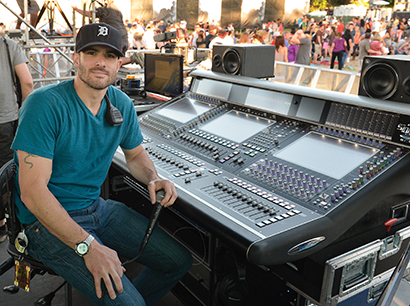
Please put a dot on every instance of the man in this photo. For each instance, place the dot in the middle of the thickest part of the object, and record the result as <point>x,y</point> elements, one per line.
<point>364,49</point>
<point>111,15</point>
<point>148,38</point>
<point>305,45</point>
<point>286,36</point>
<point>318,43</point>
<point>64,146</point>
<point>8,102</point>
<point>220,39</point>
<point>340,25</point>
<point>162,26</point>
<point>197,29</point>
<point>211,35</point>
<point>32,10</point>
<point>402,46</point>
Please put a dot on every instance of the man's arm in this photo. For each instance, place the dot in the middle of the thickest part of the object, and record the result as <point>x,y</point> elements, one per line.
<point>143,169</point>
<point>370,51</point>
<point>86,13</point>
<point>295,40</point>
<point>34,175</point>
<point>26,81</point>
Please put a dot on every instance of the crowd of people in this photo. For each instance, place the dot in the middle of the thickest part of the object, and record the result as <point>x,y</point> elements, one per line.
<point>327,41</point>
<point>310,41</point>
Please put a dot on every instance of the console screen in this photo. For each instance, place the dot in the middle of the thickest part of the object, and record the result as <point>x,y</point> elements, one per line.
<point>184,110</point>
<point>310,109</point>
<point>269,100</point>
<point>213,88</point>
<point>236,126</point>
<point>327,155</point>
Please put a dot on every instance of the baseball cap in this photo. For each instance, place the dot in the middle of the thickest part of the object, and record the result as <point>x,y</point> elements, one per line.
<point>99,34</point>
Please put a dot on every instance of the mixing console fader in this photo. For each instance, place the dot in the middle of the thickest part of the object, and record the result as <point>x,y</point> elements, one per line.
<point>279,172</point>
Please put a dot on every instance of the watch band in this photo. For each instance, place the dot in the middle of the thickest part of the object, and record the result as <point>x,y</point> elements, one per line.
<point>89,239</point>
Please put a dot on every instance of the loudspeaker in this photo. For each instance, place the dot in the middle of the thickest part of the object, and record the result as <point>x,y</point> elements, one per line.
<point>247,60</point>
<point>386,78</point>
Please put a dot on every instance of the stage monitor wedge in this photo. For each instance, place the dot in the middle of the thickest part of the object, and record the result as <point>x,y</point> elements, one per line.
<point>386,78</point>
<point>246,60</point>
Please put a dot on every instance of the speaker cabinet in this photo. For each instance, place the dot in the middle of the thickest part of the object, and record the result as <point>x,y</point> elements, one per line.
<point>247,60</point>
<point>386,78</point>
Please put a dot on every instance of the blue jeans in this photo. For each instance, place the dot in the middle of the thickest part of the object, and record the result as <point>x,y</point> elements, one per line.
<point>345,54</point>
<point>122,229</point>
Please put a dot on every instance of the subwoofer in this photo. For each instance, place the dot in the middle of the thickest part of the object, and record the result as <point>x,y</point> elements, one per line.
<point>386,78</point>
<point>247,60</point>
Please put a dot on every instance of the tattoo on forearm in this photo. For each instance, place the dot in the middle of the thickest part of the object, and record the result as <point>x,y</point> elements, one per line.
<point>27,162</point>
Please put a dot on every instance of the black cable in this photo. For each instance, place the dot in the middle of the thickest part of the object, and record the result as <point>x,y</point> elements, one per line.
<point>151,225</point>
<point>150,228</point>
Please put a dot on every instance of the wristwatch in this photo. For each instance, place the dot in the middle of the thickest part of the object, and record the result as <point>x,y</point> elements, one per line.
<point>82,247</point>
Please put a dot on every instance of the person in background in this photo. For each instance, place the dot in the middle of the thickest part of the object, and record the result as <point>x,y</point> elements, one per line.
<point>292,51</point>
<point>337,49</point>
<point>349,46</point>
<point>137,41</point>
<point>318,43</point>
<point>220,39</point>
<point>211,35</point>
<point>286,35</point>
<point>281,52</point>
<point>340,26</point>
<point>364,49</point>
<point>8,107</point>
<point>259,37</point>
<point>280,26</point>
<point>326,39</point>
<point>148,38</point>
<point>305,46</point>
<point>111,15</point>
<point>402,46</point>
<point>201,39</point>
<point>244,38</point>
<point>376,45</point>
<point>158,44</point>
<point>387,40</point>
<point>356,40</point>
<point>230,38</point>
<point>162,26</point>
<point>32,10</point>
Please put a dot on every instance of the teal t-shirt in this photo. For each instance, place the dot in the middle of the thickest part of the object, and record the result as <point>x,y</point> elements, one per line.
<point>54,123</point>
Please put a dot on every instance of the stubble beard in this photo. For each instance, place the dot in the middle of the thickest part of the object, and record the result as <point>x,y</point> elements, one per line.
<point>95,83</point>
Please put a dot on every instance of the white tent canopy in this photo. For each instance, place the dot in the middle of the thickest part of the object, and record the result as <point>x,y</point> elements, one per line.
<point>318,13</point>
<point>380,2</point>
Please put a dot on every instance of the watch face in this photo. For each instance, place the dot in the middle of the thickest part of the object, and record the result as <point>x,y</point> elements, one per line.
<point>82,248</point>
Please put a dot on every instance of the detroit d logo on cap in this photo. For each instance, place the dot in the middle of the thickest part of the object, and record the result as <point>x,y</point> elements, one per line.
<point>102,31</point>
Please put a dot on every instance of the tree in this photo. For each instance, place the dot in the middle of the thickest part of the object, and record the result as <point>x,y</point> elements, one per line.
<point>318,5</point>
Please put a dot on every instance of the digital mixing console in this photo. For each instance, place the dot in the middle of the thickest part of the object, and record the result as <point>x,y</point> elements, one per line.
<point>278,170</point>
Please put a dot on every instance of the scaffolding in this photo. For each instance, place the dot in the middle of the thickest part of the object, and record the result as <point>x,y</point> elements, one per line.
<point>50,55</point>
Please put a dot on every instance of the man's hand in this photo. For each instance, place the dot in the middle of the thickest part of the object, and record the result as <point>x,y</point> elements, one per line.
<point>103,263</point>
<point>169,188</point>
